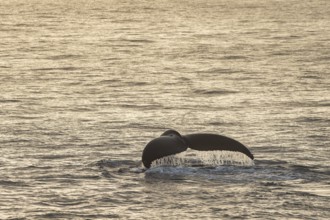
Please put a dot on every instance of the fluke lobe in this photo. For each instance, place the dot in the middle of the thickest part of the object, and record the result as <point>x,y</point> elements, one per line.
<point>172,142</point>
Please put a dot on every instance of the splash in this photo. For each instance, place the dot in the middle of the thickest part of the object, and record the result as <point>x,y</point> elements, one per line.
<point>172,160</point>
<point>205,158</point>
<point>225,158</point>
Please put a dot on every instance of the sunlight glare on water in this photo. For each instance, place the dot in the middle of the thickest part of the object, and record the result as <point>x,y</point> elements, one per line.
<point>86,84</point>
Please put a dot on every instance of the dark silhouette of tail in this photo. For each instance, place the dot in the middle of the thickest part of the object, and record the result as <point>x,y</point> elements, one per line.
<point>207,142</point>
<point>171,142</point>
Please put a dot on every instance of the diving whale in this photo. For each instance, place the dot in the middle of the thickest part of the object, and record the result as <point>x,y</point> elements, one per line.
<point>172,142</point>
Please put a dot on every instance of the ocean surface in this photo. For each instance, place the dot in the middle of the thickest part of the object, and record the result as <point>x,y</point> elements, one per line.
<point>86,84</point>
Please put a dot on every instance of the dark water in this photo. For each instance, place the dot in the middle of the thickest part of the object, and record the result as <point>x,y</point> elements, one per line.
<point>86,84</point>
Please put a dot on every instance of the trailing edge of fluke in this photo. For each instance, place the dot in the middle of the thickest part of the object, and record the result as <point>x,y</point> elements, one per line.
<point>172,142</point>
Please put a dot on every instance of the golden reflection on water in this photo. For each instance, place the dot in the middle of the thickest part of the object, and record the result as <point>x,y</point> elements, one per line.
<point>85,81</point>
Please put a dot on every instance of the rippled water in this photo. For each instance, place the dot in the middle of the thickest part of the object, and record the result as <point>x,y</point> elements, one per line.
<point>86,84</point>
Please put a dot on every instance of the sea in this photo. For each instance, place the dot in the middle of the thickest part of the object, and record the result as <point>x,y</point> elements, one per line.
<point>86,84</point>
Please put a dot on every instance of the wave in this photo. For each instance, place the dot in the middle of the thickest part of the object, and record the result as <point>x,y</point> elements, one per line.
<point>214,92</point>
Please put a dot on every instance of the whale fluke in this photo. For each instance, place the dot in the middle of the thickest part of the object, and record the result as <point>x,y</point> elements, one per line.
<point>171,142</point>
<point>208,142</point>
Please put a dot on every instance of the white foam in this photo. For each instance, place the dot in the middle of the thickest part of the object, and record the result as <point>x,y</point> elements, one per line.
<point>207,158</point>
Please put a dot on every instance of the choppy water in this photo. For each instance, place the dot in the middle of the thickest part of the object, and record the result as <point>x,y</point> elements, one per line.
<point>86,84</point>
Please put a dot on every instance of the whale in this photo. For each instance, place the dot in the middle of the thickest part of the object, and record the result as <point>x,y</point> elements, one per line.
<point>171,142</point>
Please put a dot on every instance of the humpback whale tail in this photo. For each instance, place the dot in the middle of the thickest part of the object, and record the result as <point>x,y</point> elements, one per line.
<point>172,142</point>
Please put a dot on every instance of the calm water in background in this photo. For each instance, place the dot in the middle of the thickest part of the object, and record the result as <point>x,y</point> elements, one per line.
<point>86,84</point>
